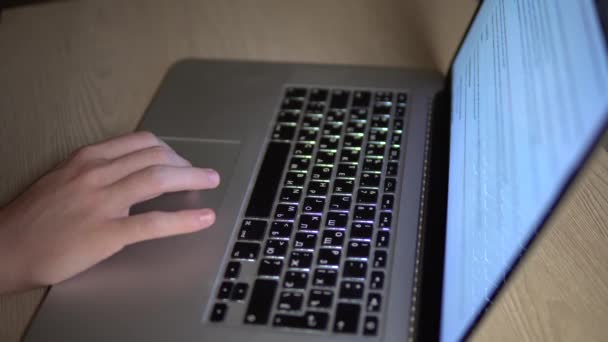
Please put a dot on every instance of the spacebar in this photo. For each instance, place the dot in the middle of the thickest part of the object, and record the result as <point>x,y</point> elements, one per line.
<point>267,183</point>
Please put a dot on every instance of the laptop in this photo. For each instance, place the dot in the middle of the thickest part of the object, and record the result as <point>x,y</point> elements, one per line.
<point>357,203</point>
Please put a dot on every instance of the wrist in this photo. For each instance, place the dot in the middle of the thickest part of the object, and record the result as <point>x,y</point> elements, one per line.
<point>13,265</point>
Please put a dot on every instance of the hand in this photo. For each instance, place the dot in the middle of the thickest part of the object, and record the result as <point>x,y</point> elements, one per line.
<point>78,214</point>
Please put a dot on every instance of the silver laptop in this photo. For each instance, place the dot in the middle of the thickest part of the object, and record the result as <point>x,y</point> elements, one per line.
<point>357,203</point>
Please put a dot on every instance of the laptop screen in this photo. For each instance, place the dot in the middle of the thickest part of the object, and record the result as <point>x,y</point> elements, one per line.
<point>529,98</point>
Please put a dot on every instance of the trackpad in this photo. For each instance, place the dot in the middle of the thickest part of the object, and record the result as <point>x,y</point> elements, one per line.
<point>219,155</point>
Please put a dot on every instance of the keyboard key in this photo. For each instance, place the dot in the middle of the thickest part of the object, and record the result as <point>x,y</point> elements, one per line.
<point>307,135</point>
<point>283,132</point>
<point>299,164</point>
<point>310,320</point>
<point>367,196</point>
<point>364,213</point>
<point>305,241</point>
<point>345,186</point>
<point>252,230</point>
<point>225,290</point>
<point>309,222</point>
<point>340,202</point>
<point>354,269</point>
<point>400,111</point>
<point>218,313</point>
<point>313,205</point>
<point>286,211</point>
<point>295,280</point>
<point>270,267</point>
<point>347,318</point>
<point>349,156</point>
<point>325,277</point>
<point>370,326</point>
<point>351,290</point>
<point>275,247</point>
<point>358,114</point>
<point>268,178</point>
<point>292,104</point>
<point>335,115</point>
<point>376,281</point>
<point>329,143</point>
<point>329,257</point>
<point>381,109</point>
<point>355,127</point>
<point>377,135</point>
<point>332,238</point>
<point>374,301</point>
<point>396,139</point>
<point>380,259</point>
<point>401,98</point>
<point>317,188</point>
<point>280,229</point>
<point>382,239</point>
<point>370,180</point>
<point>232,270</point>
<point>339,99</point>
<point>312,121</point>
<point>290,195</point>
<point>353,140</point>
<point>245,250</point>
<point>390,184</point>
<point>361,98</point>
<point>336,220</point>
<point>295,92</point>
<point>290,301</point>
<point>295,178</point>
<point>346,171</point>
<point>383,96</point>
<point>300,259</point>
<point>320,299</point>
<point>385,220</point>
<point>398,124</point>
<point>288,116</point>
<point>334,128</point>
<point>392,168</point>
<point>318,95</point>
<point>372,164</point>
<point>393,154</point>
<point>358,249</point>
<point>321,173</point>
<point>360,230</point>
<point>380,121</point>
<point>315,107</point>
<point>240,291</point>
<point>303,149</point>
<point>387,202</point>
<point>260,302</point>
<point>325,157</point>
<point>375,150</point>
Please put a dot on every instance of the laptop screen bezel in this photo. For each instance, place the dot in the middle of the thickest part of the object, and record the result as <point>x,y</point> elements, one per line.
<point>429,315</point>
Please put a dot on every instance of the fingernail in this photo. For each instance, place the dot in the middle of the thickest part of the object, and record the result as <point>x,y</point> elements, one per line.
<point>214,177</point>
<point>207,216</point>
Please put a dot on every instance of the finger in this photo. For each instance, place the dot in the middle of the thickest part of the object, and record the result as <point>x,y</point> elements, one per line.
<point>141,159</point>
<point>119,146</point>
<point>157,224</point>
<point>156,180</point>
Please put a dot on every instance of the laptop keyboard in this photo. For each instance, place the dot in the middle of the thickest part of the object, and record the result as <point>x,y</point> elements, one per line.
<point>319,223</point>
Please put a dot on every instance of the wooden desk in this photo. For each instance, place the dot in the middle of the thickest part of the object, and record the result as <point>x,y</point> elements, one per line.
<point>72,73</point>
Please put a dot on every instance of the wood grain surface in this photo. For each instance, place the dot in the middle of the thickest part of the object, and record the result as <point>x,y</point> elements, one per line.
<point>74,72</point>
